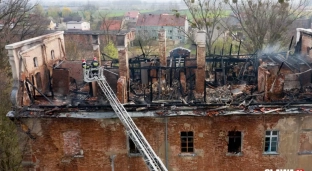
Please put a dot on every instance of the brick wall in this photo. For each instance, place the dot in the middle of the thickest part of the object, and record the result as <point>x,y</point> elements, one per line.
<point>200,71</point>
<point>79,46</point>
<point>306,43</point>
<point>99,139</point>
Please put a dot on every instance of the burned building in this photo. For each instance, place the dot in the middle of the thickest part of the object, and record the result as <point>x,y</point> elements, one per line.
<point>215,112</point>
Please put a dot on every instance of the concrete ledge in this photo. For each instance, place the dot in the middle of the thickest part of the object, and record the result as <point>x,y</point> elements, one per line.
<point>187,154</point>
<point>234,154</point>
<point>272,153</point>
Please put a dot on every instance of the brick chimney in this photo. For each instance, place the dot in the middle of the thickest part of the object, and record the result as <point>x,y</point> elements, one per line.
<point>162,52</point>
<point>96,47</point>
<point>96,53</point>
<point>200,40</point>
<point>122,83</point>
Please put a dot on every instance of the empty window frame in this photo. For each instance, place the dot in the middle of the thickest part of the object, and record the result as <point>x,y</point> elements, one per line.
<point>132,148</point>
<point>35,62</point>
<point>235,142</point>
<point>187,142</point>
<point>38,81</point>
<point>271,141</point>
<point>72,144</point>
<point>52,54</point>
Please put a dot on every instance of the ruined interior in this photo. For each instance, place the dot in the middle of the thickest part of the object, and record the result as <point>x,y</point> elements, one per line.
<point>237,99</point>
<point>47,84</point>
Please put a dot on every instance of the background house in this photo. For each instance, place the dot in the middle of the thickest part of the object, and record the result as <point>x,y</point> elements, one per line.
<point>77,25</point>
<point>130,19</point>
<point>148,25</point>
<point>132,16</point>
<point>112,25</point>
<point>50,25</point>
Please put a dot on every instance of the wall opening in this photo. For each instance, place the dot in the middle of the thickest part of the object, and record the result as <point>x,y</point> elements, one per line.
<point>35,62</point>
<point>271,141</point>
<point>38,81</point>
<point>235,141</point>
<point>132,148</point>
<point>187,144</point>
<point>52,54</point>
<point>71,143</point>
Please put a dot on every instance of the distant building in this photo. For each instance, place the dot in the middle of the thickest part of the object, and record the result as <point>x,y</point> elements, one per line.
<point>78,25</point>
<point>112,25</point>
<point>148,26</point>
<point>72,18</point>
<point>10,24</point>
<point>132,16</point>
<point>304,43</point>
<point>51,25</point>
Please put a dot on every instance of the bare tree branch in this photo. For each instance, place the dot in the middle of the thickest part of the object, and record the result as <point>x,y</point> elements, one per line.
<point>205,15</point>
<point>265,22</point>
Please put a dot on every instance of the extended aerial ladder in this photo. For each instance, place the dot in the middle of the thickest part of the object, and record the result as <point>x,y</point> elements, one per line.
<point>152,161</point>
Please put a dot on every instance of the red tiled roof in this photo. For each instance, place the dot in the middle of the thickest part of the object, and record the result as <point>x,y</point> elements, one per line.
<point>161,20</point>
<point>3,21</point>
<point>112,25</point>
<point>132,14</point>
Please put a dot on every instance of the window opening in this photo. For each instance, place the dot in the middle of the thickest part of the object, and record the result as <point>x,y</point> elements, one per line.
<point>235,141</point>
<point>187,144</point>
<point>132,148</point>
<point>52,54</point>
<point>35,62</point>
<point>271,141</point>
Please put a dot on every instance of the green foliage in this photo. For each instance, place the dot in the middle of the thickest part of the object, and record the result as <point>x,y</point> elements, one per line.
<point>10,154</point>
<point>66,12</point>
<point>111,50</point>
<point>225,44</point>
<point>54,12</point>
<point>86,15</point>
<point>39,10</point>
<point>27,27</point>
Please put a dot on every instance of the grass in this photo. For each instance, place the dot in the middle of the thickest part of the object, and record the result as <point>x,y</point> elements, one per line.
<point>118,13</point>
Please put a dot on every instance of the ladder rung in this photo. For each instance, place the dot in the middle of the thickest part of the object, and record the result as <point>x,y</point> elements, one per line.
<point>149,156</point>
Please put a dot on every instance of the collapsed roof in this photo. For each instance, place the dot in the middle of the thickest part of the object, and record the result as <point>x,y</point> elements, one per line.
<point>46,84</point>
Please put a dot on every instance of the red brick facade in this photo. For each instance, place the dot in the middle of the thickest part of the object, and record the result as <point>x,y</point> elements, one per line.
<point>99,139</point>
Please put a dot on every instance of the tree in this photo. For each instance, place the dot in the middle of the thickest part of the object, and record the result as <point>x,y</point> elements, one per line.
<point>34,24</point>
<point>39,10</point>
<point>18,23</point>
<point>54,12</point>
<point>106,25</point>
<point>66,12</point>
<point>111,50</point>
<point>88,12</point>
<point>86,15</point>
<point>145,44</point>
<point>205,15</point>
<point>265,22</point>
<point>10,155</point>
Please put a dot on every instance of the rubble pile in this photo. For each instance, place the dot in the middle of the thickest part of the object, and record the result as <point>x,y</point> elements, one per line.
<point>221,94</point>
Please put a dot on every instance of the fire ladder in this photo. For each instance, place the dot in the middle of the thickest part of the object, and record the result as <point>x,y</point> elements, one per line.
<point>152,161</point>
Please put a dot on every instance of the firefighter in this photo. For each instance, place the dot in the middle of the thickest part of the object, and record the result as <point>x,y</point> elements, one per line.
<point>95,65</point>
<point>84,63</point>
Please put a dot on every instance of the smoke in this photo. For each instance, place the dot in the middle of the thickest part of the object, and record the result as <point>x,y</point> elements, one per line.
<point>271,48</point>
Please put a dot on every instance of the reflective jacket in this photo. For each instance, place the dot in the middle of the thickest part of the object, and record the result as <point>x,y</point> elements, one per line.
<point>95,64</point>
<point>85,65</point>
